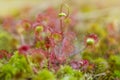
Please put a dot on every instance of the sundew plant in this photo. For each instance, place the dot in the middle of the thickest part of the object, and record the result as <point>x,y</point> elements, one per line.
<point>50,46</point>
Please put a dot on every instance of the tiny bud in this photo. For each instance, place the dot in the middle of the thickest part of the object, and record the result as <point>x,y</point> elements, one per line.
<point>62,14</point>
<point>90,41</point>
<point>39,29</point>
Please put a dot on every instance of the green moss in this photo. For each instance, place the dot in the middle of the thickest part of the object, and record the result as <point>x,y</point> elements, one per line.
<point>17,65</point>
<point>6,41</point>
<point>117,73</point>
<point>44,75</point>
<point>115,59</point>
<point>101,65</point>
<point>67,73</point>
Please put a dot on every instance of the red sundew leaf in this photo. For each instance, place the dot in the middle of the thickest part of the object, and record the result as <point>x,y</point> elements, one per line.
<point>56,36</point>
<point>26,24</point>
<point>4,54</point>
<point>38,51</point>
<point>38,55</point>
<point>49,43</point>
<point>83,64</point>
<point>75,64</point>
<point>23,48</point>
